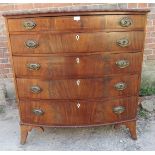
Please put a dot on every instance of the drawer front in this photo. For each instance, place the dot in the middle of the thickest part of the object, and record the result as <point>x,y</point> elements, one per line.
<point>77,42</point>
<point>30,24</point>
<point>94,65</point>
<point>125,22</point>
<point>76,113</point>
<point>63,23</point>
<point>118,86</point>
<point>70,23</point>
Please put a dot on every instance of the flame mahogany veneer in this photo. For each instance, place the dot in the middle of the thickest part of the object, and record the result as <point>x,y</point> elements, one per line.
<point>77,68</point>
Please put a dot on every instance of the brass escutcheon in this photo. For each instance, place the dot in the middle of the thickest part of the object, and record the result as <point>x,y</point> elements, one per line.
<point>125,22</point>
<point>29,25</point>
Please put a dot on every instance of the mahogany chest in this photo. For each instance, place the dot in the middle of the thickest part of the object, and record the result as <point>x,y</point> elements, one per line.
<point>77,68</point>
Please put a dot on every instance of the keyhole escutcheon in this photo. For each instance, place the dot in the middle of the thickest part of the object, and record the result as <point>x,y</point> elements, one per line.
<point>77,37</point>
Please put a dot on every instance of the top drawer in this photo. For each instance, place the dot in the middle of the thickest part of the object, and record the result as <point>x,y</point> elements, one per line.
<point>73,23</point>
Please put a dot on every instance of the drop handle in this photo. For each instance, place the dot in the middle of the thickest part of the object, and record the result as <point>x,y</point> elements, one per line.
<point>125,22</point>
<point>33,66</point>
<point>38,112</point>
<point>124,42</point>
<point>31,44</point>
<point>35,89</point>
<point>29,24</point>
<point>118,109</point>
<point>120,86</point>
<point>122,63</point>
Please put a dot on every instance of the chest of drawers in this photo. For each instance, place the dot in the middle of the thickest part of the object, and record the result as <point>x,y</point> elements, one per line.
<point>77,68</point>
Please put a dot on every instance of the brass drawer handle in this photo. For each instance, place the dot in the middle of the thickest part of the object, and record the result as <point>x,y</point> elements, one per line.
<point>120,86</point>
<point>33,66</point>
<point>29,25</point>
<point>36,89</point>
<point>125,22</point>
<point>31,44</point>
<point>124,42</point>
<point>38,112</point>
<point>118,109</point>
<point>122,63</point>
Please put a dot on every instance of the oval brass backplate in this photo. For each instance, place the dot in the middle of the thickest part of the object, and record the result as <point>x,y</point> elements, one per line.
<point>125,22</point>
<point>124,42</point>
<point>33,66</point>
<point>122,63</point>
<point>118,109</point>
<point>38,112</point>
<point>120,86</point>
<point>31,44</point>
<point>35,89</point>
<point>29,24</point>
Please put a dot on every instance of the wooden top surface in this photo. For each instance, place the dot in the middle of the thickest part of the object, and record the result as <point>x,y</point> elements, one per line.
<point>80,10</point>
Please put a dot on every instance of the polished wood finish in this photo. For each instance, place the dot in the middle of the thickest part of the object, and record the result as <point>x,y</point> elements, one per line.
<point>70,23</point>
<point>70,89</point>
<point>67,112</point>
<point>68,43</point>
<point>77,68</point>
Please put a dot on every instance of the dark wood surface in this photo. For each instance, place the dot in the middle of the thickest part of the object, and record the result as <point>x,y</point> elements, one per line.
<point>69,23</point>
<point>67,42</point>
<point>87,88</point>
<point>77,67</point>
<point>59,113</point>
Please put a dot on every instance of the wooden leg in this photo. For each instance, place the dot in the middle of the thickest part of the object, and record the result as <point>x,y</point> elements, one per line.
<point>24,132</point>
<point>132,128</point>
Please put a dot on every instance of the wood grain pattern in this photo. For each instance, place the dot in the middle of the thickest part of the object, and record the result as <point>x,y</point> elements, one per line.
<point>69,23</point>
<point>25,129</point>
<point>78,69</point>
<point>61,113</point>
<point>67,43</point>
<point>63,67</point>
<point>87,88</point>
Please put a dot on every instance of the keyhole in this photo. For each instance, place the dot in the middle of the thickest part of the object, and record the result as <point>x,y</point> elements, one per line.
<point>77,37</point>
<point>77,60</point>
<point>78,105</point>
<point>78,82</point>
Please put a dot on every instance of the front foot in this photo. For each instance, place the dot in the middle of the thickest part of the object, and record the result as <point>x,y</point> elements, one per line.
<point>132,128</point>
<point>131,125</point>
<point>24,132</point>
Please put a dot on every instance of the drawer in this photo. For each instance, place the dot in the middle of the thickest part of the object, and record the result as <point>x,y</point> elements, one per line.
<point>89,65</point>
<point>30,24</point>
<point>125,22</point>
<point>70,23</point>
<point>44,42</point>
<point>62,23</point>
<point>77,113</point>
<point>116,86</point>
